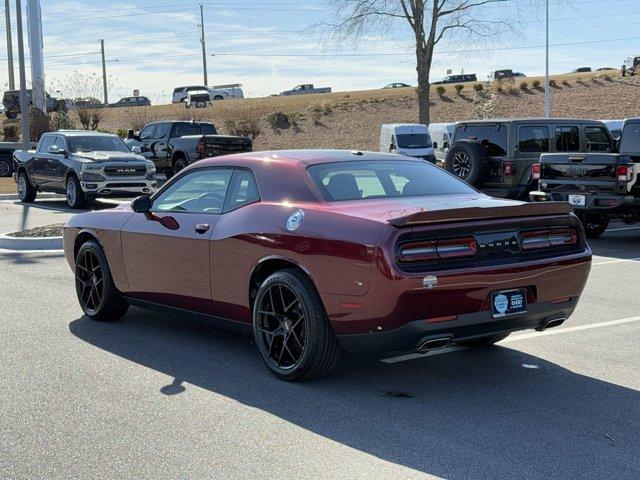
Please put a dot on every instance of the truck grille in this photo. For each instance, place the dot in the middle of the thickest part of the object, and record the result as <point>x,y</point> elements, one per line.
<point>125,171</point>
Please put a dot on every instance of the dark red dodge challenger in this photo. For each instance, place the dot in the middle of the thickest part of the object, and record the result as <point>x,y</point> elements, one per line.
<point>316,251</point>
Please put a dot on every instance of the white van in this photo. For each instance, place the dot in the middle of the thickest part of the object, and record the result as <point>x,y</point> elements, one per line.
<point>411,139</point>
<point>441,135</point>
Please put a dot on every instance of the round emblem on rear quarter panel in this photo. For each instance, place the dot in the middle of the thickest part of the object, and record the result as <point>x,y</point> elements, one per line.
<point>295,220</point>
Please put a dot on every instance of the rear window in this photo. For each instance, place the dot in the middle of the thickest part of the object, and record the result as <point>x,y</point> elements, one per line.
<point>493,136</point>
<point>567,139</point>
<point>187,128</point>
<point>630,140</point>
<point>598,139</point>
<point>383,179</point>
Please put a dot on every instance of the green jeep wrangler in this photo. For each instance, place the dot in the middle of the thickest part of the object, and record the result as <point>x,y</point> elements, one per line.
<point>496,155</point>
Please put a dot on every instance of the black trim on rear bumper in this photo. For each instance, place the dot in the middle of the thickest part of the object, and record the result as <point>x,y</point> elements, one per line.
<point>466,327</point>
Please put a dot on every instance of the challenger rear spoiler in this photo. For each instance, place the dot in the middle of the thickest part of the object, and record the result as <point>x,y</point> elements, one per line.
<point>479,213</point>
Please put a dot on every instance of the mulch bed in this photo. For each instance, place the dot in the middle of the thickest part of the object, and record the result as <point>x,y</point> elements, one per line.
<point>54,230</point>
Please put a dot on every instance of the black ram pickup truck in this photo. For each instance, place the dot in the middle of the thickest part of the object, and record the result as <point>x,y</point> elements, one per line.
<point>599,186</point>
<point>172,145</point>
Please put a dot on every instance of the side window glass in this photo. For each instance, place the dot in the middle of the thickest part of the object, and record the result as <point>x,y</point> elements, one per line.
<point>46,142</point>
<point>533,139</point>
<point>147,132</point>
<point>567,139</point>
<point>60,143</point>
<point>162,131</point>
<point>597,139</point>
<point>202,191</point>
<point>243,190</point>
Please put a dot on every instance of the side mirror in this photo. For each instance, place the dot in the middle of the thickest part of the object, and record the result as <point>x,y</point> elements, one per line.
<point>136,149</point>
<point>435,145</point>
<point>131,134</point>
<point>141,204</point>
<point>56,150</point>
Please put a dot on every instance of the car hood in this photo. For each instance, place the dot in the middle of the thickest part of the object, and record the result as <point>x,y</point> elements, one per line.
<point>441,208</point>
<point>100,157</point>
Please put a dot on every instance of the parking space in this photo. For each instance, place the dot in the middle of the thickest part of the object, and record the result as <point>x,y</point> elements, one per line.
<point>159,396</point>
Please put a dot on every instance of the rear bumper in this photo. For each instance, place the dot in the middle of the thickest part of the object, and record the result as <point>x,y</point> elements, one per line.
<point>465,327</point>
<point>596,203</point>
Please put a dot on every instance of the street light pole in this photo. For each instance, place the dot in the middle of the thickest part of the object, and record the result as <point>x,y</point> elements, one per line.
<point>204,48</point>
<point>547,93</point>
<point>7,16</point>
<point>104,74</point>
<point>24,108</point>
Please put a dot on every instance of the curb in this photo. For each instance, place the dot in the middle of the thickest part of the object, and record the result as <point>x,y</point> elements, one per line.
<point>14,196</point>
<point>28,243</point>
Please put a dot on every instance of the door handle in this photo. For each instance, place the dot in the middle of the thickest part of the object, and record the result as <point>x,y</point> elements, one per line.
<point>202,228</point>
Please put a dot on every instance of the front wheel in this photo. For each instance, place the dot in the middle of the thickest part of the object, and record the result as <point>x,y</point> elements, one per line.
<point>594,224</point>
<point>97,294</point>
<point>291,330</point>
<point>6,167</point>
<point>26,191</point>
<point>75,195</point>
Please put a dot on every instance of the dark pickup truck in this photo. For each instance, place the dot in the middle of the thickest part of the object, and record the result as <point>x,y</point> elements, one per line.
<point>599,186</point>
<point>172,145</point>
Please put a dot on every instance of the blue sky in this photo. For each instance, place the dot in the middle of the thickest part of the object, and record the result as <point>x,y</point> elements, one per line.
<point>269,45</point>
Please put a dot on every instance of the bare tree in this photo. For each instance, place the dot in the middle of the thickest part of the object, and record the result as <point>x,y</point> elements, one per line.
<point>431,22</point>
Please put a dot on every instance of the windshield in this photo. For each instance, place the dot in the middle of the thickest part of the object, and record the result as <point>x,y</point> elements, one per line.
<point>413,140</point>
<point>97,143</point>
<point>383,179</point>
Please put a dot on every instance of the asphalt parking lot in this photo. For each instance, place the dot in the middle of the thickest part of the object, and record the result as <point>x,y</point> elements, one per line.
<point>160,397</point>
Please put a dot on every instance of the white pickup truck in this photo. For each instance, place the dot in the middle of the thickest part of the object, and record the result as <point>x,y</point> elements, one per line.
<point>217,92</point>
<point>306,89</point>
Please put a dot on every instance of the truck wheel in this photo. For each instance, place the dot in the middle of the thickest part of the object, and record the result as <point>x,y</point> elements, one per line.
<point>74,193</point>
<point>594,224</point>
<point>6,166</point>
<point>26,191</point>
<point>467,160</point>
<point>179,165</point>
<point>291,329</point>
<point>218,97</point>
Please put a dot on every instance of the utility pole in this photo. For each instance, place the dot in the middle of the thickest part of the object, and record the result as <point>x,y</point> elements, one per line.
<point>24,107</point>
<point>547,93</point>
<point>34,32</point>
<point>7,16</point>
<point>204,48</point>
<point>104,74</point>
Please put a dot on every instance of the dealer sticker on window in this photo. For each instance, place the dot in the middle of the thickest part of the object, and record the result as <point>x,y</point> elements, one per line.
<point>508,302</point>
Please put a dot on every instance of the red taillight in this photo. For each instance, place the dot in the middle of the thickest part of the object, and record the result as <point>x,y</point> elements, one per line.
<point>625,173</point>
<point>537,239</point>
<point>536,168</point>
<point>201,146</point>
<point>445,249</point>
<point>508,168</point>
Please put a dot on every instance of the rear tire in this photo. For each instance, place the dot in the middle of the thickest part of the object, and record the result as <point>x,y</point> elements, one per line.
<point>291,329</point>
<point>75,195</point>
<point>467,160</point>
<point>484,341</point>
<point>6,166</point>
<point>96,291</point>
<point>594,224</point>
<point>218,97</point>
<point>26,191</point>
<point>179,164</point>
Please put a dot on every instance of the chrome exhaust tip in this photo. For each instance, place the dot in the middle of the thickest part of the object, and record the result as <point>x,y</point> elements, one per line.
<point>550,323</point>
<point>434,344</point>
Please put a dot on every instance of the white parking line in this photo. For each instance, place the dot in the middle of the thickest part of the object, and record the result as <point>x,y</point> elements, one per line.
<point>413,356</point>
<point>614,260</point>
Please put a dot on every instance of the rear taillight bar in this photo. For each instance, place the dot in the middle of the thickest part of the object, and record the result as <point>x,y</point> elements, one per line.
<point>625,173</point>
<point>536,169</point>
<point>538,239</point>
<point>201,146</point>
<point>445,249</point>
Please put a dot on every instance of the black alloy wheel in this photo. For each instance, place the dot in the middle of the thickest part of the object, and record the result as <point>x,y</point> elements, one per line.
<point>461,165</point>
<point>291,329</point>
<point>281,327</point>
<point>97,294</point>
<point>90,282</point>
